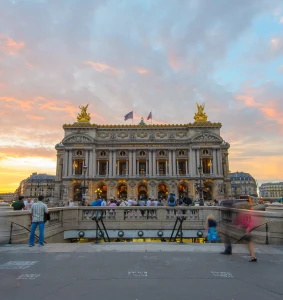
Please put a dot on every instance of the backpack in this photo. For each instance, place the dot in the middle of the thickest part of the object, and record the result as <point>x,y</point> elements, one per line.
<point>180,202</point>
<point>187,200</point>
<point>171,199</point>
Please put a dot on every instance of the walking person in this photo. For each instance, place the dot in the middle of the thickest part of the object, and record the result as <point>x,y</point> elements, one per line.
<point>38,210</point>
<point>212,234</point>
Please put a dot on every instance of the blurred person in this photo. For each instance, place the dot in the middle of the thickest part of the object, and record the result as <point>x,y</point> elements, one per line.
<point>171,200</point>
<point>227,241</point>
<point>19,204</point>
<point>212,234</point>
<point>38,210</point>
<point>28,203</point>
<point>130,202</point>
<point>71,203</point>
<point>155,202</point>
<point>246,221</point>
<point>123,203</point>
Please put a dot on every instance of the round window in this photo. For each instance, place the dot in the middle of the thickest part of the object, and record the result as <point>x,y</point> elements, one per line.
<point>161,152</point>
<point>205,151</point>
<point>122,153</point>
<point>181,152</point>
<point>79,152</point>
<point>102,153</point>
<point>142,153</point>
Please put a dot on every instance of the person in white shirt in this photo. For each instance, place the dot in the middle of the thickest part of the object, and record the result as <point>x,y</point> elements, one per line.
<point>155,202</point>
<point>71,203</point>
<point>130,202</point>
<point>28,203</point>
<point>148,202</point>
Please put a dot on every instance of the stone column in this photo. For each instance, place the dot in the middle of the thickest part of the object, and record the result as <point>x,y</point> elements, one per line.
<point>65,163</point>
<point>166,167</point>
<point>86,161</point>
<point>177,167</point>
<point>118,167</point>
<point>138,167</point>
<point>174,163</point>
<point>191,161</point>
<point>114,164</point>
<point>94,162</point>
<point>127,168</point>
<point>90,163</point>
<point>214,170</point>
<point>150,163</point>
<point>110,163</point>
<point>211,166</point>
<point>134,163</point>
<point>186,167</point>
<point>219,157</point>
<point>70,167</point>
<point>157,167</point>
<point>170,163</point>
<point>130,163</point>
<point>198,162</point>
<point>98,168</point>
<point>146,167</point>
<point>107,171</point>
<point>154,163</point>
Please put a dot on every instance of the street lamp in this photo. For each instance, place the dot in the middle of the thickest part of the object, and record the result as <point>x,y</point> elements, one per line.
<point>84,187</point>
<point>200,186</point>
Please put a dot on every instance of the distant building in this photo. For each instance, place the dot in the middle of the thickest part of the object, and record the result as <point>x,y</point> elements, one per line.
<point>142,161</point>
<point>243,184</point>
<point>271,189</point>
<point>8,197</point>
<point>37,184</point>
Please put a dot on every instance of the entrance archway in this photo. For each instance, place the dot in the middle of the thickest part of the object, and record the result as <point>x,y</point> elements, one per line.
<point>78,196</point>
<point>162,191</point>
<point>207,191</point>
<point>183,190</point>
<point>142,192</point>
<point>122,191</point>
<point>101,191</point>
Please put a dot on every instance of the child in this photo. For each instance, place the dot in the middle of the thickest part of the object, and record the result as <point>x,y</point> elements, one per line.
<point>212,235</point>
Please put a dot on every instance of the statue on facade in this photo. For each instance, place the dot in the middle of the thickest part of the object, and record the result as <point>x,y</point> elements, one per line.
<point>83,116</point>
<point>200,116</point>
<point>142,122</point>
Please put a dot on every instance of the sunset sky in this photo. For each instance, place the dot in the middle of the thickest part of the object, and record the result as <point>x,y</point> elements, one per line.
<point>160,56</point>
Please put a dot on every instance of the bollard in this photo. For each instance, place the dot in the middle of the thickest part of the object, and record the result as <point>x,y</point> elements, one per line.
<point>11,231</point>
<point>266,237</point>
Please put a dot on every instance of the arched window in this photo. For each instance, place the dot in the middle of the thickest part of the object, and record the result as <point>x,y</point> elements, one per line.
<point>205,151</point>
<point>161,153</point>
<point>181,152</point>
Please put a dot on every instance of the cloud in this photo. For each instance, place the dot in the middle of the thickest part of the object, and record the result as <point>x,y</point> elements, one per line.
<point>10,46</point>
<point>100,67</point>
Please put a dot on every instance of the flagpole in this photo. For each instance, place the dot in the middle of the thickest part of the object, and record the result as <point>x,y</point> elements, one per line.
<point>151,117</point>
<point>133,118</point>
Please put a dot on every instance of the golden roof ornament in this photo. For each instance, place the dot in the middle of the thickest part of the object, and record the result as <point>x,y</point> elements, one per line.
<point>200,116</point>
<point>83,116</point>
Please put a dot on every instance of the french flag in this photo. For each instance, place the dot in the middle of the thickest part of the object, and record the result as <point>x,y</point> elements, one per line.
<point>149,116</point>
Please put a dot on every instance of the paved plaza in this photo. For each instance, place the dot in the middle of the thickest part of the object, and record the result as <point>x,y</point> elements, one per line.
<point>139,271</point>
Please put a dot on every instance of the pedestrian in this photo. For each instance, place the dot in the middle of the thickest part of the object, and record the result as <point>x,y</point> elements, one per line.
<point>28,203</point>
<point>212,234</point>
<point>38,210</point>
<point>171,200</point>
<point>246,221</point>
<point>19,204</point>
<point>71,203</point>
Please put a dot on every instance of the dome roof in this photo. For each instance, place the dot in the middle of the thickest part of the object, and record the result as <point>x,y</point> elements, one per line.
<point>241,176</point>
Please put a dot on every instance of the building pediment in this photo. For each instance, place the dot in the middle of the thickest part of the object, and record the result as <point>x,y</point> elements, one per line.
<point>206,137</point>
<point>78,139</point>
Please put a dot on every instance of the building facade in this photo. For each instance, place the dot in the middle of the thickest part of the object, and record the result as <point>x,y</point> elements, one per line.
<point>38,184</point>
<point>142,161</point>
<point>271,190</point>
<point>243,184</point>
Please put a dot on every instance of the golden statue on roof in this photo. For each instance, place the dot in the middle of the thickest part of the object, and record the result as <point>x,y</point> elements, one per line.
<point>83,116</point>
<point>200,116</point>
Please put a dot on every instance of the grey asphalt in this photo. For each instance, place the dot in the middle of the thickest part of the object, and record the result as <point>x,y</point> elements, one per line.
<point>139,272</point>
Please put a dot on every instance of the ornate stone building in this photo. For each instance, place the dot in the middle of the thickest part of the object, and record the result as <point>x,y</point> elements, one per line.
<point>271,189</point>
<point>243,184</point>
<point>143,160</point>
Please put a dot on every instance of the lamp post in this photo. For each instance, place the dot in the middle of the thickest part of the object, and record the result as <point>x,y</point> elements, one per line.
<point>84,187</point>
<point>200,186</point>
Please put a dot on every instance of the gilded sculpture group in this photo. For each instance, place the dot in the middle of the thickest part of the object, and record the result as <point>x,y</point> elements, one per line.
<point>200,116</point>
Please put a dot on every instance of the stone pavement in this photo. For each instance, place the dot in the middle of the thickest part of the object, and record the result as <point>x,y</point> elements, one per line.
<point>139,271</point>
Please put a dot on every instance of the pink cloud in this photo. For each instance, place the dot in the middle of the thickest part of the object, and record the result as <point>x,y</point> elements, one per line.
<point>141,70</point>
<point>9,46</point>
<point>33,117</point>
<point>100,67</point>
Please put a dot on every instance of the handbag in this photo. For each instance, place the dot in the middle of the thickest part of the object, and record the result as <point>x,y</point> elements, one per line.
<point>46,217</point>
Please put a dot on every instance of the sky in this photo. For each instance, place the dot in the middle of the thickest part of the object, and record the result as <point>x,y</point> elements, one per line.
<point>161,56</point>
